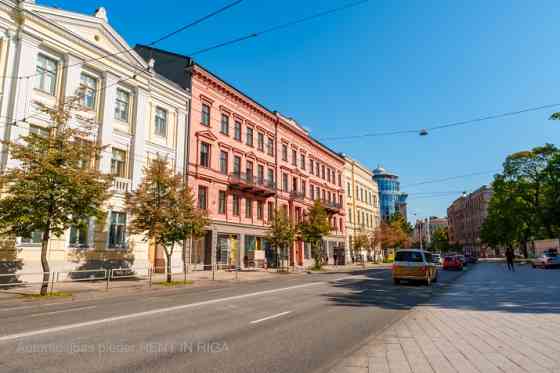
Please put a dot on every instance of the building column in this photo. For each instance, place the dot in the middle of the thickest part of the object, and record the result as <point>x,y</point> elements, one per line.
<point>241,252</point>
<point>142,122</point>
<point>23,62</point>
<point>107,115</point>
<point>72,76</point>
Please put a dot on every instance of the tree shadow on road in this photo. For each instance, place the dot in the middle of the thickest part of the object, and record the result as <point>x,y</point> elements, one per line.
<point>483,287</point>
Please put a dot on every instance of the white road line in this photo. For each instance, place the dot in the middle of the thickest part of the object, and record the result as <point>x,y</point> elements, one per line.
<point>270,317</point>
<point>62,311</point>
<point>10,337</point>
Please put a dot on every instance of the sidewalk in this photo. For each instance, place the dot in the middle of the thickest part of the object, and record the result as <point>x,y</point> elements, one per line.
<point>490,321</point>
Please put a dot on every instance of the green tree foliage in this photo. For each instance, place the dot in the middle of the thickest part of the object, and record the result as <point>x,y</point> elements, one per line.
<point>440,240</point>
<point>55,185</point>
<point>524,202</point>
<point>281,234</point>
<point>163,209</point>
<point>313,228</point>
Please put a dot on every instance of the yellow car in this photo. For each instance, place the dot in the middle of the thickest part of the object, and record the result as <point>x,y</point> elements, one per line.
<point>416,265</point>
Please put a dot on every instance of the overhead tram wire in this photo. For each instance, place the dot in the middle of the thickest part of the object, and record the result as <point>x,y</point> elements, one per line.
<point>433,181</point>
<point>152,43</point>
<point>230,42</point>
<point>444,126</point>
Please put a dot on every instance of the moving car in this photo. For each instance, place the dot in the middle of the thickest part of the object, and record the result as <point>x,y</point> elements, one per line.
<point>462,259</point>
<point>452,262</point>
<point>549,259</point>
<point>415,265</point>
<point>437,259</point>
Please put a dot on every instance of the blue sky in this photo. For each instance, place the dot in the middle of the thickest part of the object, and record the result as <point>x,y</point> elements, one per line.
<point>382,66</point>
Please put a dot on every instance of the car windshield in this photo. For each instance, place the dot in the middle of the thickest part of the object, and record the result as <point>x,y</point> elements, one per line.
<point>409,256</point>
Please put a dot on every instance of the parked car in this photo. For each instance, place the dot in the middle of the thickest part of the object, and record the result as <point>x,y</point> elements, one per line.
<point>548,259</point>
<point>462,259</point>
<point>436,258</point>
<point>471,259</point>
<point>452,262</point>
<point>416,265</point>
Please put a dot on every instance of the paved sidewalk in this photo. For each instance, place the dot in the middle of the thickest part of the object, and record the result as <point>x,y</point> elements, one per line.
<point>489,321</point>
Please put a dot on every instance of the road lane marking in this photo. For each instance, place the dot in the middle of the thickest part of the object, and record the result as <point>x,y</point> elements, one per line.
<point>62,311</point>
<point>10,337</point>
<point>270,317</point>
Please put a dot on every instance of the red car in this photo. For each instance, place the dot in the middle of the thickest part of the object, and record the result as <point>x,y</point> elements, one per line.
<point>452,262</point>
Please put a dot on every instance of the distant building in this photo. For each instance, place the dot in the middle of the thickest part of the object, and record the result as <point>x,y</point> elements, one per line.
<point>466,215</point>
<point>392,200</point>
<point>424,228</point>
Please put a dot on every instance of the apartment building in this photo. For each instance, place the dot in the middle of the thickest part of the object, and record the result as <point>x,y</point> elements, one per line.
<point>245,161</point>
<point>48,54</point>
<point>362,206</point>
<point>465,216</point>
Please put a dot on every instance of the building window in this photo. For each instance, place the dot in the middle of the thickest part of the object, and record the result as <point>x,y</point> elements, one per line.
<point>350,216</point>
<point>118,163</point>
<point>224,128</point>
<point>294,184</point>
<point>270,180</point>
<point>323,172</point>
<point>222,202</point>
<point>248,208</point>
<point>88,84</point>
<point>204,154</point>
<point>79,236</point>
<point>36,237</point>
<point>285,182</point>
<point>302,161</point>
<point>237,130</point>
<point>294,158</point>
<point>311,191</point>
<point>317,169</point>
<point>328,175</point>
<point>249,139</point>
<point>122,104</point>
<point>270,146</point>
<point>237,165</point>
<point>339,180</point>
<point>303,187</point>
<point>270,211</point>
<point>349,188</point>
<point>117,230</point>
<point>260,174</point>
<point>47,69</point>
<point>260,142</point>
<point>311,166</point>
<point>235,205</point>
<point>224,162</point>
<point>260,210</point>
<point>160,128</point>
<point>202,197</point>
<point>205,119</point>
<point>285,152</point>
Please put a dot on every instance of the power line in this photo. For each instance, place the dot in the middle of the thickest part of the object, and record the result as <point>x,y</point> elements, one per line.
<point>444,126</point>
<point>451,178</point>
<point>160,39</point>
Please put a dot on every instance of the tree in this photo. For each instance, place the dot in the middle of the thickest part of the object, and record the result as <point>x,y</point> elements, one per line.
<point>163,209</point>
<point>552,193</point>
<point>313,228</point>
<point>55,184</point>
<point>440,239</point>
<point>400,231</point>
<point>360,241</point>
<point>281,234</point>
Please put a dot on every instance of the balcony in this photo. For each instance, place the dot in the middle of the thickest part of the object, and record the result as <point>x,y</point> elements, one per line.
<point>252,184</point>
<point>299,196</point>
<point>331,206</point>
<point>120,185</point>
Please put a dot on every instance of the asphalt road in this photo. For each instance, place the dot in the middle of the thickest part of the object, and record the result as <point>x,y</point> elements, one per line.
<point>296,324</point>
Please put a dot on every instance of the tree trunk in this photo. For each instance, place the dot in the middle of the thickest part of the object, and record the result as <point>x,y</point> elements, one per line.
<point>168,265</point>
<point>525,249</point>
<point>45,262</point>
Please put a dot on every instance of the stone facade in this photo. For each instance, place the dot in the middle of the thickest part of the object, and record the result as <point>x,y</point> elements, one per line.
<point>362,205</point>
<point>57,54</point>
<point>466,215</point>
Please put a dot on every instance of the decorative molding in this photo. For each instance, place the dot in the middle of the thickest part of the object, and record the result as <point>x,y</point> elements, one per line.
<point>206,134</point>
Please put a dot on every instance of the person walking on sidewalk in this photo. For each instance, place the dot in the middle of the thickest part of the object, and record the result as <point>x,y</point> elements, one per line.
<point>510,256</point>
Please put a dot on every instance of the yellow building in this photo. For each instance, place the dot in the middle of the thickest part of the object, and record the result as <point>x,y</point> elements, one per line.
<point>48,54</point>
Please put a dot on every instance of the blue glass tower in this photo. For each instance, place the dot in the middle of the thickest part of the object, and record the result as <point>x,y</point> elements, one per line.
<point>391,198</point>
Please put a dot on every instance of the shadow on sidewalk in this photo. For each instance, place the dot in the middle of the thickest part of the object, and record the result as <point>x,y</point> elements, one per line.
<point>483,287</point>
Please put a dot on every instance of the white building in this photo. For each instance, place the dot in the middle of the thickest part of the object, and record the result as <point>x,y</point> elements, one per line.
<point>362,205</point>
<point>48,54</point>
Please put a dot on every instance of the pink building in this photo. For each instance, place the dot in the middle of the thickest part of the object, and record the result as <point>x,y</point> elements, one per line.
<point>244,161</point>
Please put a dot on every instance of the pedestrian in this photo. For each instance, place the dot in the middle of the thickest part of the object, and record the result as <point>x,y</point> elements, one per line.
<point>510,256</point>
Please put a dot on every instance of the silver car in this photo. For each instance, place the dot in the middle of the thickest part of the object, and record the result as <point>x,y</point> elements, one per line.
<point>547,260</point>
